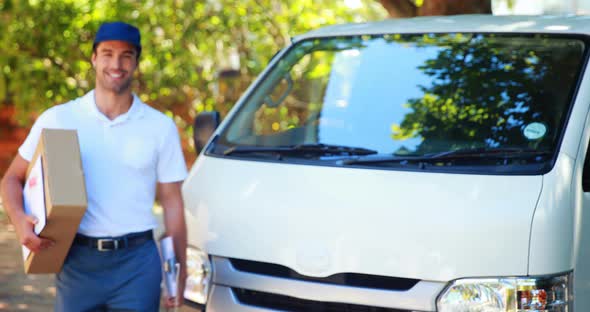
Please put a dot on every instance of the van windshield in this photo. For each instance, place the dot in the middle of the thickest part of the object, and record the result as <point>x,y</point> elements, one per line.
<point>461,101</point>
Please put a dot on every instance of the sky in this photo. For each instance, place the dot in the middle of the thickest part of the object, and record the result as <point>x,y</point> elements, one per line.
<point>525,7</point>
<point>376,97</point>
<point>537,7</point>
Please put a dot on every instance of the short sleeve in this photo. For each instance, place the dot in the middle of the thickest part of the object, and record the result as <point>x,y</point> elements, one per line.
<point>171,166</point>
<point>27,149</point>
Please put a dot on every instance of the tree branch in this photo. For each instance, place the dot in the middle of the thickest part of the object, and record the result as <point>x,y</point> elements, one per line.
<point>455,7</point>
<point>408,8</point>
<point>399,8</point>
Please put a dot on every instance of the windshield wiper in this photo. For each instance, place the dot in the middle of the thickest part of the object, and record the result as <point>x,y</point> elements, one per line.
<point>302,149</point>
<point>501,152</point>
<point>385,159</point>
<point>461,154</point>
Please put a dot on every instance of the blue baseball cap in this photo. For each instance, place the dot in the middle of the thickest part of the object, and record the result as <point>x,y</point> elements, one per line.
<point>118,31</point>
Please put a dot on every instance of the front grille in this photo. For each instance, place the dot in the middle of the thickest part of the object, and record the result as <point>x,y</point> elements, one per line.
<point>345,279</point>
<point>286,303</point>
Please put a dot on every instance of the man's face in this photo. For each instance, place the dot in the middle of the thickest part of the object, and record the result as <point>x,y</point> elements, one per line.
<point>114,62</point>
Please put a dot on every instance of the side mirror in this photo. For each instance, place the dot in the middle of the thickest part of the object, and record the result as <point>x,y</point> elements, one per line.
<point>203,127</point>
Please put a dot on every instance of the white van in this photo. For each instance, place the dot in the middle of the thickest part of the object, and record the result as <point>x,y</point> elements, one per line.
<point>427,164</point>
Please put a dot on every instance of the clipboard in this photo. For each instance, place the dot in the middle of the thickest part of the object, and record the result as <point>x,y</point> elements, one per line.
<point>170,268</point>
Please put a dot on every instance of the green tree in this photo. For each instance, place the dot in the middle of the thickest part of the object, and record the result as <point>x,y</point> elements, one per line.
<point>188,46</point>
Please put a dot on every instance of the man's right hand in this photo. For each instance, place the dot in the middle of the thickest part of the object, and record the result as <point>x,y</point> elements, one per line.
<point>27,237</point>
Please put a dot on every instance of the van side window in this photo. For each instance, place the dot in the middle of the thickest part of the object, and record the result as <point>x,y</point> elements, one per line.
<point>586,172</point>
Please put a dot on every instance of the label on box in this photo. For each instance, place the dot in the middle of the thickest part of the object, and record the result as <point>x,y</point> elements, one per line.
<point>34,199</point>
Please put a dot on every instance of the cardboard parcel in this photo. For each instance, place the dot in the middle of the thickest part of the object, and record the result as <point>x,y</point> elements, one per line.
<point>55,193</point>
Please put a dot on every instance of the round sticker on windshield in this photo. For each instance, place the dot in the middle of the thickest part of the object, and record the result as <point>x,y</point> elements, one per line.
<point>534,131</point>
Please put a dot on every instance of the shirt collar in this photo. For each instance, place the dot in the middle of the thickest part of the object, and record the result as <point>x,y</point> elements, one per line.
<point>135,111</point>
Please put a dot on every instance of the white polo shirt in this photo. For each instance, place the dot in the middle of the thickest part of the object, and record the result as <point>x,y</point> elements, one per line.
<point>123,159</point>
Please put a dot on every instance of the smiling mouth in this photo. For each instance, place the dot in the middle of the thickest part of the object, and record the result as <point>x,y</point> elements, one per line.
<point>115,75</point>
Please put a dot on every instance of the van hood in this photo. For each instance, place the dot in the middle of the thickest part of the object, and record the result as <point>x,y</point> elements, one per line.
<point>321,221</point>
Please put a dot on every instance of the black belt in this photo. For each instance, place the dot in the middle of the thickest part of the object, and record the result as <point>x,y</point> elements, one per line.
<point>114,243</point>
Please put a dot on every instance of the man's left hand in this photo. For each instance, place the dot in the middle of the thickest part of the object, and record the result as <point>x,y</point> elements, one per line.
<point>172,302</point>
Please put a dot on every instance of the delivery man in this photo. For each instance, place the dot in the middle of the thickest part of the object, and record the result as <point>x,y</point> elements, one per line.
<point>130,152</point>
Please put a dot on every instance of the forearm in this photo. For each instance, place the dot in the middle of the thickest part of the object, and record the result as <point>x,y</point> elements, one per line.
<point>175,224</point>
<point>11,190</point>
<point>171,200</point>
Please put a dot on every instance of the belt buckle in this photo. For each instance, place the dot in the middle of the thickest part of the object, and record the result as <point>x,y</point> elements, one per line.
<point>101,241</point>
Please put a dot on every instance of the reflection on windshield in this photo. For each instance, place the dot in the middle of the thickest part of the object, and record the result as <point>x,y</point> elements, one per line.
<point>415,94</point>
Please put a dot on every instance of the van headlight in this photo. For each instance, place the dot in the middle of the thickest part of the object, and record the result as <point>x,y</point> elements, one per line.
<point>514,294</point>
<point>198,280</point>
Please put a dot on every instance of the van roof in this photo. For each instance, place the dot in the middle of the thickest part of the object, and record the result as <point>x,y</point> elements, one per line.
<point>459,23</point>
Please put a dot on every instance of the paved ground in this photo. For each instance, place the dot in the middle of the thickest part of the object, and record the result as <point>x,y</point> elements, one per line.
<point>18,291</point>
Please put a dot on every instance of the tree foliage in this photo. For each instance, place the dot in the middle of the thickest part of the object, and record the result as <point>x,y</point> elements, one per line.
<point>485,90</point>
<point>197,55</point>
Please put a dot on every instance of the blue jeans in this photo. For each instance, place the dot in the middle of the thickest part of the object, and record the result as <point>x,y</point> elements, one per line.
<point>126,279</point>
